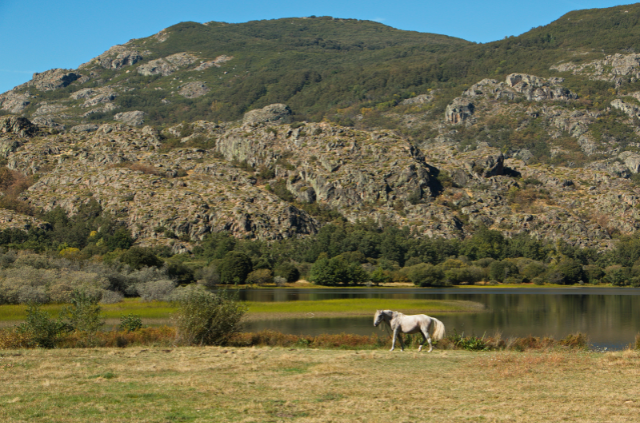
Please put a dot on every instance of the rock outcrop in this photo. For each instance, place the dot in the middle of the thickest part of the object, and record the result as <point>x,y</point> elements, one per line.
<point>135,118</point>
<point>193,89</point>
<point>270,113</point>
<point>17,125</point>
<point>167,65</point>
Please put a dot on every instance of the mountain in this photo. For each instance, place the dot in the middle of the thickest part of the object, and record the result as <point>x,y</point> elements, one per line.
<point>271,129</point>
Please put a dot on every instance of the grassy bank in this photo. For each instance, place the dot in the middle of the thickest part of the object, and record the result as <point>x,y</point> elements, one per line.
<point>305,385</point>
<point>160,311</point>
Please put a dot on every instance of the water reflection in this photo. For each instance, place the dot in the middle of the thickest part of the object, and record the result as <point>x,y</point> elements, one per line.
<point>610,317</point>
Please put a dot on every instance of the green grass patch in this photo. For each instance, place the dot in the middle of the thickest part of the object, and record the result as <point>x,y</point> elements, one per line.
<point>361,305</point>
<point>163,310</point>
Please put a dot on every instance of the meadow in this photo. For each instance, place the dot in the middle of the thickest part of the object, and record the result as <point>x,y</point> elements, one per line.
<point>224,384</point>
<point>159,312</point>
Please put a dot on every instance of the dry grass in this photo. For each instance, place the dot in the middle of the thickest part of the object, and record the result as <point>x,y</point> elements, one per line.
<point>305,385</point>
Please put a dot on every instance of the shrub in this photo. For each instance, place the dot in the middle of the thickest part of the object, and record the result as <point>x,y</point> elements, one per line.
<point>336,271</point>
<point>533,270</point>
<point>279,281</point>
<point>138,257</point>
<point>111,297</point>
<point>84,313</point>
<point>40,330</point>
<point>130,323</point>
<point>499,270</point>
<point>570,271</point>
<point>206,318</point>
<point>208,276</point>
<point>156,290</point>
<point>618,275</point>
<point>288,271</point>
<point>593,273</point>
<point>260,277</point>
<point>425,274</point>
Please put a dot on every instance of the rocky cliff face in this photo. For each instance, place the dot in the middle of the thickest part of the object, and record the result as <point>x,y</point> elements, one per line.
<point>179,195</point>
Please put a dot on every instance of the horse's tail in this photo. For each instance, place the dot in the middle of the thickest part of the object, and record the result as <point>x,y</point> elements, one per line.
<point>438,329</point>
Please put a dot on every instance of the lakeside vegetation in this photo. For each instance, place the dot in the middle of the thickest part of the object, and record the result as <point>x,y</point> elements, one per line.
<point>92,252</point>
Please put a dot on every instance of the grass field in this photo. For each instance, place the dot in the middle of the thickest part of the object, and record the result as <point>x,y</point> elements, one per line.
<point>160,311</point>
<point>213,384</point>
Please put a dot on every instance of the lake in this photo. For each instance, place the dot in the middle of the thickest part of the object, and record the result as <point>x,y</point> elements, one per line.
<point>609,316</point>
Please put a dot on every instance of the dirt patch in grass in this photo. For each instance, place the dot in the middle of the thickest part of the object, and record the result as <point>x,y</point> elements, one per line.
<point>225,384</point>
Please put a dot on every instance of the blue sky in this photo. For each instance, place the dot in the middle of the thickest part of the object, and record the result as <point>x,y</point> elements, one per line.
<point>37,35</point>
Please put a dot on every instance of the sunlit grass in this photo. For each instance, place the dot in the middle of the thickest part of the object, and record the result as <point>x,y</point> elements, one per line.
<point>163,309</point>
<point>362,305</point>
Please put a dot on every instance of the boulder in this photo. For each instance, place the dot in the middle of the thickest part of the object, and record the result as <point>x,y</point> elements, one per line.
<point>14,102</point>
<point>420,99</point>
<point>271,113</point>
<point>459,110</point>
<point>193,89</point>
<point>17,125</point>
<point>631,160</point>
<point>85,128</point>
<point>135,118</point>
<point>54,79</point>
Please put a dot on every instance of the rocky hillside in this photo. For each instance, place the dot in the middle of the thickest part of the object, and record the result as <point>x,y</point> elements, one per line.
<point>193,131</point>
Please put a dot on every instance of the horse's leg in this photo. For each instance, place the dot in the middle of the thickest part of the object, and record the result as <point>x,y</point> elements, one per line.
<point>401,341</point>
<point>393,340</point>
<point>424,338</point>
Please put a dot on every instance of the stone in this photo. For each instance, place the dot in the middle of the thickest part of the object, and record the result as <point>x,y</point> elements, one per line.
<point>167,65</point>
<point>419,99</point>
<point>631,160</point>
<point>459,110</point>
<point>135,118</point>
<point>54,79</point>
<point>217,62</point>
<point>193,89</point>
<point>271,113</point>
<point>85,128</point>
<point>14,102</point>
<point>17,125</point>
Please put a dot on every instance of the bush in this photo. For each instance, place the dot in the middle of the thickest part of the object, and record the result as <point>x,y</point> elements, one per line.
<point>138,257</point>
<point>156,290</point>
<point>568,272</point>
<point>130,323</point>
<point>425,274</point>
<point>208,276</point>
<point>336,271</point>
<point>40,330</point>
<point>287,271</point>
<point>206,318</point>
<point>111,297</point>
<point>260,277</point>
<point>84,313</point>
<point>500,270</point>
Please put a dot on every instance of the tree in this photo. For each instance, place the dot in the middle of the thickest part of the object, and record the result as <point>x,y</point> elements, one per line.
<point>288,271</point>
<point>425,274</point>
<point>138,257</point>
<point>484,243</point>
<point>235,267</point>
<point>500,270</point>
<point>570,270</point>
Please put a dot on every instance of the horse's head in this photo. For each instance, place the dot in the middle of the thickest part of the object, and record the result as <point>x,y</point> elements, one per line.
<point>378,317</point>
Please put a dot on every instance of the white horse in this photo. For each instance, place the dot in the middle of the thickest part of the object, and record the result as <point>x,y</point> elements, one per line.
<point>410,324</point>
